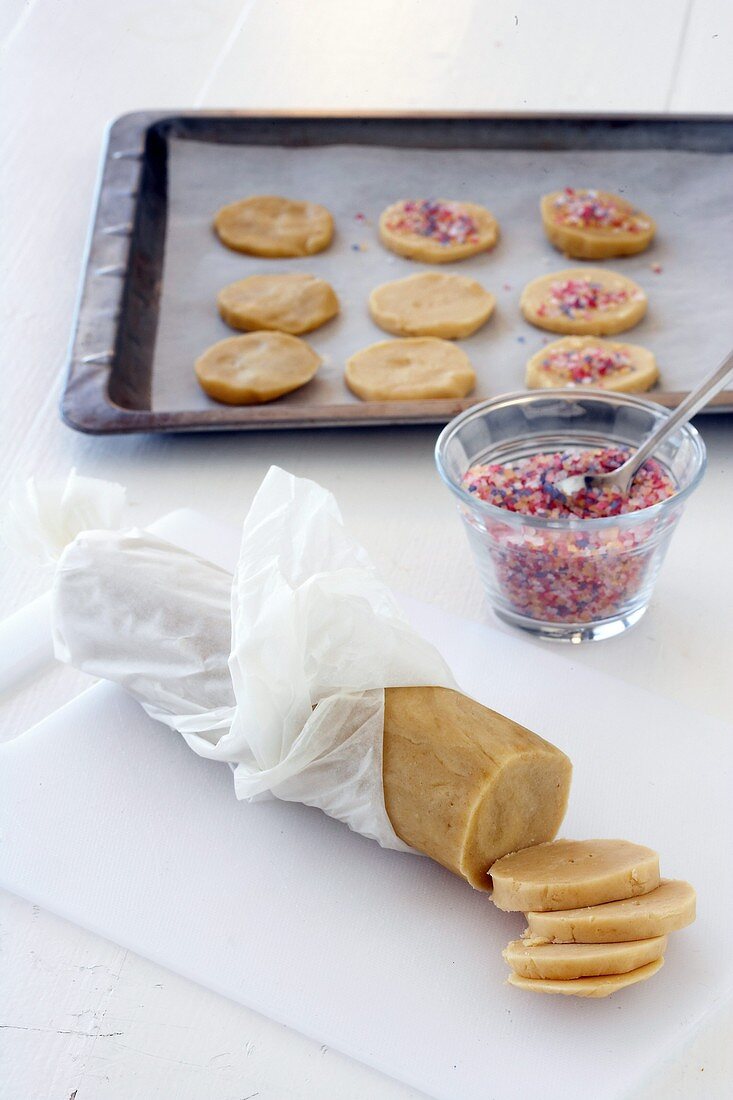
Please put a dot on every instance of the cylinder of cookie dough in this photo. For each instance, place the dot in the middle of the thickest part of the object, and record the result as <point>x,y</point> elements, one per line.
<point>462,784</point>
<point>466,785</point>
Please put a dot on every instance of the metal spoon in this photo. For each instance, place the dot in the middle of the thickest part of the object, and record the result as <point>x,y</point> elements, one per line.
<point>622,477</point>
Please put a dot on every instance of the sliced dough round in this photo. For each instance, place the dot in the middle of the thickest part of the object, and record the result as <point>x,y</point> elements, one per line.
<point>592,361</point>
<point>564,961</point>
<point>667,909</point>
<point>258,367</point>
<point>583,301</point>
<point>437,231</point>
<point>292,303</point>
<point>269,225</point>
<point>587,224</point>
<point>602,986</point>
<point>431,304</point>
<point>410,370</point>
<point>565,874</point>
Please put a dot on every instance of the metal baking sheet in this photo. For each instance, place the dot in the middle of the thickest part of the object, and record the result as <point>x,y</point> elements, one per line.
<point>166,265</point>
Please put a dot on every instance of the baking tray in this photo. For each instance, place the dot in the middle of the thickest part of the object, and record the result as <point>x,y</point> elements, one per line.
<point>153,267</point>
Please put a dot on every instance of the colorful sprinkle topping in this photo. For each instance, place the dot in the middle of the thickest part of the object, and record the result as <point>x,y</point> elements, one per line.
<point>588,209</point>
<point>444,222</point>
<point>581,298</point>
<point>568,575</point>
<point>527,486</point>
<point>584,366</point>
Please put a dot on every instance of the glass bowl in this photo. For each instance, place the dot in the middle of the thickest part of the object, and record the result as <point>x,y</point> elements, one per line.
<point>568,578</point>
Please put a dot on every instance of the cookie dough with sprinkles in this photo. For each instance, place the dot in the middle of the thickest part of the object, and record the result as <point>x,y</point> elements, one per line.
<point>437,230</point>
<point>588,224</point>
<point>583,302</point>
<point>592,361</point>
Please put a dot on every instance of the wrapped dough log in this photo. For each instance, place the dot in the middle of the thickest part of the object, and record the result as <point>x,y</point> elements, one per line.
<point>309,705</point>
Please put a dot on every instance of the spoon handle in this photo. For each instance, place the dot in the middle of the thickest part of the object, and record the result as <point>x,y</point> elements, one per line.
<point>684,411</point>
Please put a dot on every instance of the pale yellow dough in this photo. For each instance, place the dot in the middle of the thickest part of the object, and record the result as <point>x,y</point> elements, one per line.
<point>269,225</point>
<point>541,307</point>
<point>291,303</point>
<point>667,909</point>
<point>431,304</point>
<point>639,373</point>
<point>410,370</point>
<point>464,784</point>
<point>566,961</point>
<point>415,246</point>
<point>567,874</point>
<point>602,986</point>
<point>596,242</point>
<point>258,367</point>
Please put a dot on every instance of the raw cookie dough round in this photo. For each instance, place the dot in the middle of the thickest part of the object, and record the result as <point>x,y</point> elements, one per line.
<point>437,231</point>
<point>593,225</point>
<point>667,909</point>
<point>592,361</point>
<point>269,225</point>
<point>258,367</point>
<point>566,874</point>
<point>565,961</point>
<point>602,986</point>
<point>583,301</point>
<point>431,304</point>
<point>292,303</point>
<point>410,370</point>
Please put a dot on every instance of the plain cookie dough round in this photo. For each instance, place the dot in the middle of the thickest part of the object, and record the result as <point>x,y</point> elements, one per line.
<point>602,986</point>
<point>583,301</point>
<point>565,961</point>
<point>567,874</point>
<point>291,303</point>
<point>587,224</point>
<point>269,225</point>
<point>410,370</point>
<point>437,231</point>
<point>431,304</point>
<point>592,361</point>
<point>667,909</point>
<point>258,367</point>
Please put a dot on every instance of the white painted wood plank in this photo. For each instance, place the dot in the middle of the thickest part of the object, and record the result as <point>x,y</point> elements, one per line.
<point>13,14</point>
<point>611,55</point>
<point>703,79</point>
<point>81,1014</point>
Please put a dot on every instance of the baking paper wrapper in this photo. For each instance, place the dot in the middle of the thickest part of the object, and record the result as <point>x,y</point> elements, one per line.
<point>281,673</point>
<point>43,517</point>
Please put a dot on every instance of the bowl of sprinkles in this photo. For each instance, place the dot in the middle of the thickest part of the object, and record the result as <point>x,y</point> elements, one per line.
<point>569,573</point>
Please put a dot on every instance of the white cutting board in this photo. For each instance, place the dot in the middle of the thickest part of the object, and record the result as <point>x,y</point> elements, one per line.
<point>109,820</point>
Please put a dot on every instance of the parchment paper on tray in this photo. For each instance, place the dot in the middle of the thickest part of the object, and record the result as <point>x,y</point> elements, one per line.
<point>687,273</point>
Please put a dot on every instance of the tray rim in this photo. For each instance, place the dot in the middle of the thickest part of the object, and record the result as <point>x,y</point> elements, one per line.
<point>86,405</point>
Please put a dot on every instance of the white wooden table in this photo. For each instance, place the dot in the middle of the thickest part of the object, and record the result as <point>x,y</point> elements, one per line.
<point>80,1017</point>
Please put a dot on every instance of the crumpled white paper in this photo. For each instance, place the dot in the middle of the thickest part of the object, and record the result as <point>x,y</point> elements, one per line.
<point>130,607</point>
<point>315,639</point>
<point>45,516</point>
